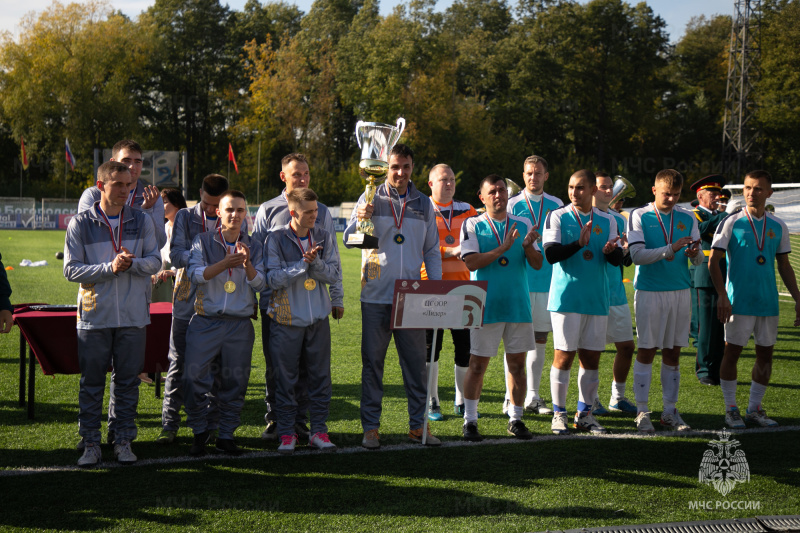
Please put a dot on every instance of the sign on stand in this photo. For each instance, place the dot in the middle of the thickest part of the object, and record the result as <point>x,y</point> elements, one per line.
<point>428,304</point>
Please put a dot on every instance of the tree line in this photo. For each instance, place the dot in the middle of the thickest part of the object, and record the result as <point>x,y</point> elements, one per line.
<point>482,85</point>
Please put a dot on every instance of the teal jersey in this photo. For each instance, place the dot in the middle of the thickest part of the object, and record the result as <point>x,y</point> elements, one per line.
<point>506,297</point>
<point>538,280</point>
<point>645,229</point>
<point>579,282</point>
<point>616,288</point>
<point>751,284</point>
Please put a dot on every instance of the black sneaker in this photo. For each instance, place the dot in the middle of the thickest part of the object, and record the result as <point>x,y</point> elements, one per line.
<point>302,430</point>
<point>110,437</point>
<point>470,431</point>
<point>516,428</point>
<point>228,446</point>
<point>199,444</point>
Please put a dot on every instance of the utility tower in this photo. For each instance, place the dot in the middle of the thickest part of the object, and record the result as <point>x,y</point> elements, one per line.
<point>740,151</point>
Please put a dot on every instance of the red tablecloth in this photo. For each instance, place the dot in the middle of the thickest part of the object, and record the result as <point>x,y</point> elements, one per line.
<point>52,337</point>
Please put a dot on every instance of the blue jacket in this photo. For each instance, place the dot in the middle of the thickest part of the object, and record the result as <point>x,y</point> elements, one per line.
<point>274,214</point>
<point>156,213</point>
<point>189,223</point>
<point>211,300</point>
<point>391,261</point>
<point>291,304</point>
<point>105,299</point>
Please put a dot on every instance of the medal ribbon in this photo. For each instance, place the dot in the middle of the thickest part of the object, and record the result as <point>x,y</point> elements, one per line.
<point>449,219</point>
<point>300,242</point>
<point>578,217</point>
<point>537,219</point>
<point>116,244</point>
<point>230,250</point>
<point>398,224</point>
<point>759,245</point>
<point>667,239</point>
<point>494,230</point>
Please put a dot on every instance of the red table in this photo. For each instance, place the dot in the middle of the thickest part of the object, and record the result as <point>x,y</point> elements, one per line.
<point>52,339</point>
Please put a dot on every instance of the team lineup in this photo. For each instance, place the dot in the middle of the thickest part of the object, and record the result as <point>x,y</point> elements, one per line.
<point>287,269</point>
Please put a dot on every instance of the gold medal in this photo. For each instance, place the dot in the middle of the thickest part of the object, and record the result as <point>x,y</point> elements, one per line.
<point>310,284</point>
<point>230,287</point>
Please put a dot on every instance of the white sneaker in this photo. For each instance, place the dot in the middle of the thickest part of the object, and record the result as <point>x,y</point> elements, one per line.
<point>321,442</point>
<point>643,423</point>
<point>538,406</point>
<point>733,418</point>
<point>674,421</point>
<point>587,422</point>
<point>559,424</point>
<point>759,416</point>
<point>124,453</point>
<point>91,455</point>
<point>288,442</point>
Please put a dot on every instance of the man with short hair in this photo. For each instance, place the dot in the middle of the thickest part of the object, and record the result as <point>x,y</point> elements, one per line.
<point>710,331</point>
<point>579,240</point>
<point>533,204</point>
<point>661,236</point>
<point>492,252</point>
<point>274,214</point>
<point>620,326</point>
<point>143,196</point>
<point>405,225</point>
<point>300,263</point>
<point>450,216</point>
<point>111,250</point>
<point>227,270</point>
<point>753,240</point>
<point>189,223</point>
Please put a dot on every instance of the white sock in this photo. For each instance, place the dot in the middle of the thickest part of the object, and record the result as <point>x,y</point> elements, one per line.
<point>515,412</point>
<point>433,368</point>
<point>507,374</point>
<point>670,384</point>
<point>559,383</point>
<point>470,410</point>
<point>728,392</point>
<point>757,391</point>
<point>642,376</point>
<point>460,372</point>
<point>617,391</point>
<point>534,365</point>
<point>588,382</point>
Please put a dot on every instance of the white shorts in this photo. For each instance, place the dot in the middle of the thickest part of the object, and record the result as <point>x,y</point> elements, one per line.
<point>764,328</point>
<point>662,318</point>
<point>517,338</point>
<point>541,316</point>
<point>574,331</point>
<point>620,325</point>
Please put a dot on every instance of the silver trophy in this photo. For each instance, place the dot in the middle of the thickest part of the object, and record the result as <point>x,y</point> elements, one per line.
<point>376,141</point>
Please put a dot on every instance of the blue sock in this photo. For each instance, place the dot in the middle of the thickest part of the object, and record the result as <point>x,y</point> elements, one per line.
<point>583,407</point>
<point>559,409</point>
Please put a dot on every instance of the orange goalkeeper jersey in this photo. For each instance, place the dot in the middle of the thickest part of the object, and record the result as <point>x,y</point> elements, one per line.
<point>449,218</point>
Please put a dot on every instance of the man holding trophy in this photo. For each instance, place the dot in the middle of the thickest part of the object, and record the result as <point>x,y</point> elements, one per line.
<point>403,229</point>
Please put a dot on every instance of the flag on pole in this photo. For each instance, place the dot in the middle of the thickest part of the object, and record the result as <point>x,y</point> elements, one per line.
<point>70,157</point>
<point>23,155</point>
<point>232,158</point>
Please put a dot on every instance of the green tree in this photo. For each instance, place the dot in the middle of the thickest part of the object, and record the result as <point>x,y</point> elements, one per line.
<point>68,75</point>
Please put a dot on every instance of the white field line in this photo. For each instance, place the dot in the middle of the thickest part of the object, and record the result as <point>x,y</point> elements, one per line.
<point>306,451</point>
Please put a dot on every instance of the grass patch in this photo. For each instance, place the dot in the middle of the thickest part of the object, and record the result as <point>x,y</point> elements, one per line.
<point>551,483</point>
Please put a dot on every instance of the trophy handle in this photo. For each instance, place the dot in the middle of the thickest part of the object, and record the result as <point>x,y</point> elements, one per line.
<point>401,125</point>
<point>358,137</point>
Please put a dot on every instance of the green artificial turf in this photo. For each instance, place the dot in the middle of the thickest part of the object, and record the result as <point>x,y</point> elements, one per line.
<point>550,483</point>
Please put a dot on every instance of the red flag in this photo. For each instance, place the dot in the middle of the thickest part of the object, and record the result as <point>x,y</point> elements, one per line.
<point>231,157</point>
<point>23,155</point>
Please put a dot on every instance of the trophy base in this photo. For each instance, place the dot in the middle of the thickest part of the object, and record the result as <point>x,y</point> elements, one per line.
<point>362,241</point>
